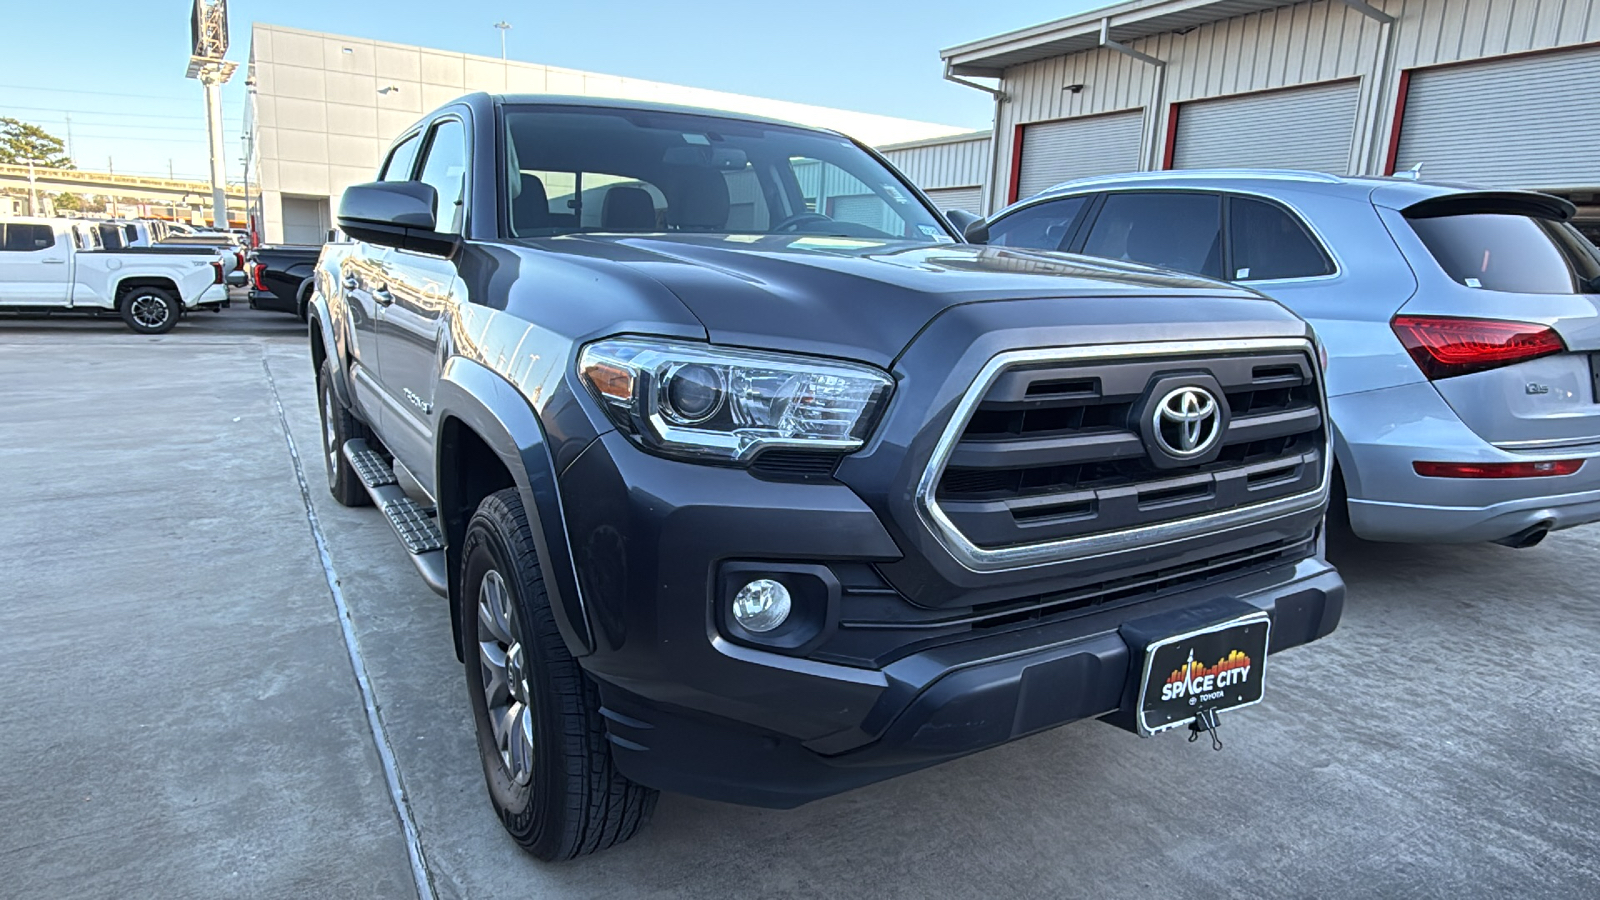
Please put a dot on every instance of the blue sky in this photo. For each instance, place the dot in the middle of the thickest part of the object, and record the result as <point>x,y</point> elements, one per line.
<point>124,89</point>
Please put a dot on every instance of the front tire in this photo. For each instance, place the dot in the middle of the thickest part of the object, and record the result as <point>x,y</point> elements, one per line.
<point>338,426</point>
<point>540,734</point>
<point>150,310</point>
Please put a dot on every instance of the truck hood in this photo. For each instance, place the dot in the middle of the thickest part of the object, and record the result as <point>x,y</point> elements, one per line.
<point>860,299</point>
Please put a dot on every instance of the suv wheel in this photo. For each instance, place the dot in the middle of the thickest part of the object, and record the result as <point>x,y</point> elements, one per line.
<point>150,310</point>
<point>339,426</point>
<point>540,734</point>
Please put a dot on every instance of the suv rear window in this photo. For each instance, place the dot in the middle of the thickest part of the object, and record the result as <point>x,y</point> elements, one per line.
<point>1511,253</point>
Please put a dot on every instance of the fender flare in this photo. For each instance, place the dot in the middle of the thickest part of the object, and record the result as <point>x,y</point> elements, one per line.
<point>493,409</point>
<point>309,281</point>
<point>318,318</point>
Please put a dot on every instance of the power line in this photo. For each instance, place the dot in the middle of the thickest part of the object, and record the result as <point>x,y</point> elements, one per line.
<point>100,93</point>
<point>95,112</point>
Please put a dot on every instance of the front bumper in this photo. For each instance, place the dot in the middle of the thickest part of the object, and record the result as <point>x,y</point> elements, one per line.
<point>942,703</point>
<point>1381,433</point>
<point>691,709</point>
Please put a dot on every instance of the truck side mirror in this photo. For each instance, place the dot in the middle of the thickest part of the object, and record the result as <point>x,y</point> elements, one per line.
<point>976,232</point>
<point>395,214</point>
<point>960,218</point>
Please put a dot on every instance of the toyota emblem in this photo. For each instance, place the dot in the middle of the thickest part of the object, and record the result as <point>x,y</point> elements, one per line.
<point>1187,422</point>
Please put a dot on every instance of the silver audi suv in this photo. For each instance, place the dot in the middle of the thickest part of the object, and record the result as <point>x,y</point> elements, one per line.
<point>1462,327</point>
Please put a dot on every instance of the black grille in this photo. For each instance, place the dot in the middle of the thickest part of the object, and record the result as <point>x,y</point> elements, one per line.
<point>1054,451</point>
<point>795,464</point>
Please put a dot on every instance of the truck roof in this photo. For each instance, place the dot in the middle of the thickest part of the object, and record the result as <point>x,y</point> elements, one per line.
<point>486,101</point>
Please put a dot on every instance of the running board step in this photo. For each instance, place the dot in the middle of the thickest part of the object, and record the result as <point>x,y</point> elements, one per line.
<point>370,466</point>
<point>412,522</point>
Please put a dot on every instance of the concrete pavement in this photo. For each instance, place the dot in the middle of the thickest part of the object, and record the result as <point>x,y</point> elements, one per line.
<point>171,653</point>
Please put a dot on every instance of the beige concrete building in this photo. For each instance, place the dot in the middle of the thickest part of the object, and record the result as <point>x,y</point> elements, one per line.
<point>323,108</point>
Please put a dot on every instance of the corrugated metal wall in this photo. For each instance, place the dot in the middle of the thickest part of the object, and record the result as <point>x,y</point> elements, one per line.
<point>957,162</point>
<point>1291,45</point>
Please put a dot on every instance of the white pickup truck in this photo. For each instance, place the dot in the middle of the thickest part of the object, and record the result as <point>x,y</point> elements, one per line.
<point>58,266</point>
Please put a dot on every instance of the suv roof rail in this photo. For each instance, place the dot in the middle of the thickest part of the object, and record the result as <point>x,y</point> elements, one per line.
<point>1161,174</point>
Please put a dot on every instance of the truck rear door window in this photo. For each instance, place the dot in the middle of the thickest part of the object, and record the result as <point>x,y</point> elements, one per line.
<point>1511,253</point>
<point>21,237</point>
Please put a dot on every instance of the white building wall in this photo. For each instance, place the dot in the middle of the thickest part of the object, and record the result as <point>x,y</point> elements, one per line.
<point>327,106</point>
<point>1293,45</point>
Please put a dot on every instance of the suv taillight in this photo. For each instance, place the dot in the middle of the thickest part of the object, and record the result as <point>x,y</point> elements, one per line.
<point>1444,346</point>
<point>255,276</point>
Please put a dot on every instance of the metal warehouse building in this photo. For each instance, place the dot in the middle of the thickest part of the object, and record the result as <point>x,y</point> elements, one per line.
<point>1503,93</point>
<point>949,169</point>
<point>323,108</point>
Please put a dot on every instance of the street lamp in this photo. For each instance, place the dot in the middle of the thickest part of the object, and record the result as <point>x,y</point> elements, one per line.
<point>504,27</point>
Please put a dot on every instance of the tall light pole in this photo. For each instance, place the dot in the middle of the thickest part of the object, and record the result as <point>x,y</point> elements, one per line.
<point>209,30</point>
<point>504,27</point>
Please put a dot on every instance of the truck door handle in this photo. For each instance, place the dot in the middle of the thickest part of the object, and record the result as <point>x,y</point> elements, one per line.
<point>350,283</point>
<point>54,262</point>
<point>382,295</point>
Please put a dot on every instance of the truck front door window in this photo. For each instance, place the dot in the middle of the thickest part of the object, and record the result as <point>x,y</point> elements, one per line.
<point>445,170</point>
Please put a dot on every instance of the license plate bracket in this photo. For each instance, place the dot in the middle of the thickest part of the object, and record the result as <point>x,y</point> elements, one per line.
<point>1216,668</point>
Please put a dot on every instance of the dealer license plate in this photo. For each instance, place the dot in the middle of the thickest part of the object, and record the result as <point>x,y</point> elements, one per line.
<point>1217,668</point>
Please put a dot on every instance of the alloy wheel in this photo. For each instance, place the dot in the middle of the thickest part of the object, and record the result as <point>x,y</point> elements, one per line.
<point>506,694</point>
<point>149,310</point>
<point>330,438</point>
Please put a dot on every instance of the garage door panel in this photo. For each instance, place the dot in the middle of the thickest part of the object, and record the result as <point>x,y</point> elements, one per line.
<point>1302,128</point>
<point>1053,152</point>
<point>305,220</point>
<point>1527,121</point>
<point>967,198</point>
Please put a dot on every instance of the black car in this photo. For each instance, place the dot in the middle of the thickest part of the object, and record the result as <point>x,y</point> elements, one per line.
<point>745,477</point>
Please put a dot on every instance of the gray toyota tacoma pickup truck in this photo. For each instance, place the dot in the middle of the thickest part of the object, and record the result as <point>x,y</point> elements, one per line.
<point>745,477</point>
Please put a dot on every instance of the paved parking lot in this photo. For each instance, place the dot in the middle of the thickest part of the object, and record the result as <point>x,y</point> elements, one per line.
<point>179,716</point>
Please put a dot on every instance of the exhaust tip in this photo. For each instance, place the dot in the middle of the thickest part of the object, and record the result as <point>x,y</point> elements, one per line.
<point>1527,537</point>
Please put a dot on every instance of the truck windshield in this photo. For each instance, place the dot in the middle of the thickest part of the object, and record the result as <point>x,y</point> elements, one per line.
<point>578,169</point>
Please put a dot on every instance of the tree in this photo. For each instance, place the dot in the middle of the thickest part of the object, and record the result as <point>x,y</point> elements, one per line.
<point>69,201</point>
<point>21,143</point>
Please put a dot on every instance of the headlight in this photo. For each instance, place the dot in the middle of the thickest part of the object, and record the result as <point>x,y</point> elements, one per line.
<point>724,404</point>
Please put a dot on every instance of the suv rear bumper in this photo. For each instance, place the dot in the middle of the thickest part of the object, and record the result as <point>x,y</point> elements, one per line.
<point>1383,432</point>
<point>691,709</point>
<point>943,703</point>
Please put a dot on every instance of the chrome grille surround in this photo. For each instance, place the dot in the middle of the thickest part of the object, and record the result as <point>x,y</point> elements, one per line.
<point>996,559</point>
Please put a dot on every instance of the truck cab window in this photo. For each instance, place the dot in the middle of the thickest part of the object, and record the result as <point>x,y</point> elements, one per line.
<point>445,169</point>
<point>401,158</point>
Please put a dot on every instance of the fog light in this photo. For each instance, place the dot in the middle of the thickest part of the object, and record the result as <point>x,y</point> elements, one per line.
<point>761,605</point>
